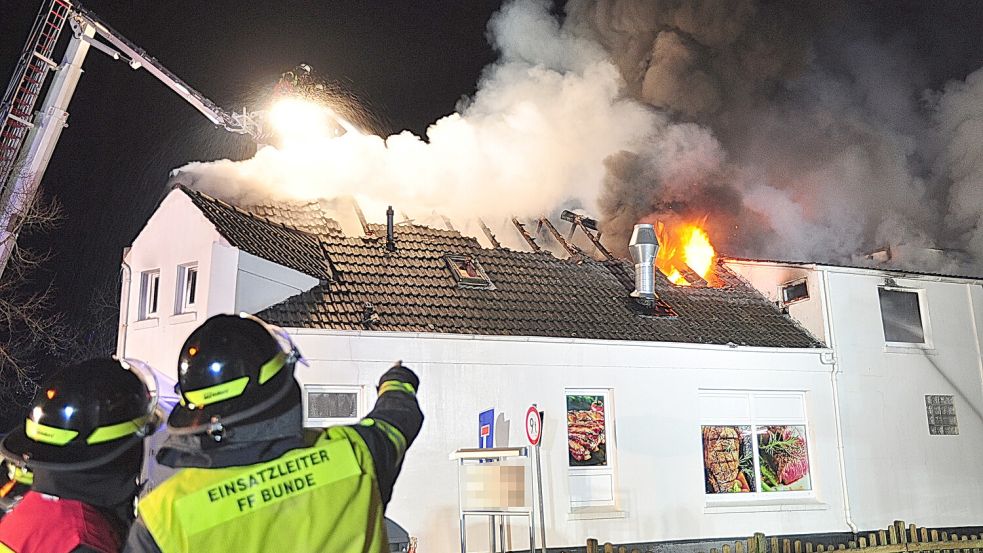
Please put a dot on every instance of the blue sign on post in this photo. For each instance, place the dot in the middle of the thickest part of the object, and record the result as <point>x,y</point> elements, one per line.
<point>486,429</point>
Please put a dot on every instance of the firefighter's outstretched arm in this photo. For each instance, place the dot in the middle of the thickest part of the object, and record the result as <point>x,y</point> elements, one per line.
<point>393,424</point>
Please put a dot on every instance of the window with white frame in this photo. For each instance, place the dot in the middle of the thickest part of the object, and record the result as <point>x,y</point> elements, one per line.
<point>328,405</point>
<point>755,445</point>
<point>590,448</point>
<point>187,288</point>
<point>795,291</point>
<point>149,293</point>
<point>902,315</point>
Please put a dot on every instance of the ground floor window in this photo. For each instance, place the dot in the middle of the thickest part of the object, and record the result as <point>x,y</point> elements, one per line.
<point>590,447</point>
<point>326,405</point>
<point>755,444</point>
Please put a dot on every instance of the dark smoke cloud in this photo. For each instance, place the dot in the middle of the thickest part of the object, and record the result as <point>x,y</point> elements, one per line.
<point>807,130</point>
<point>831,142</point>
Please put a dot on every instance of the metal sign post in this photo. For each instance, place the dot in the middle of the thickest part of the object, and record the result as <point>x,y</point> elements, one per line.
<point>534,431</point>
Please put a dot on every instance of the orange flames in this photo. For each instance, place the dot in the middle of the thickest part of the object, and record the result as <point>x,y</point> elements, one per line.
<point>683,249</point>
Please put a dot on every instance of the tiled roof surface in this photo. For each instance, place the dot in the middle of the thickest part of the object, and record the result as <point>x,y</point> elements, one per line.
<point>534,294</point>
<point>263,238</point>
<point>303,216</point>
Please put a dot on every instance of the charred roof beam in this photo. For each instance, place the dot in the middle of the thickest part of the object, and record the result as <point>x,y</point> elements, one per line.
<point>573,250</point>
<point>526,236</point>
<point>586,224</point>
<point>488,234</point>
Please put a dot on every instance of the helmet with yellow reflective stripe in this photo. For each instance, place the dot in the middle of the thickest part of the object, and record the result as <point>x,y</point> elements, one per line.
<point>231,368</point>
<point>86,415</point>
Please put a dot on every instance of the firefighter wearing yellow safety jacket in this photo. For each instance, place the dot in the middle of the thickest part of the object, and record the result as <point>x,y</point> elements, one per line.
<point>249,481</point>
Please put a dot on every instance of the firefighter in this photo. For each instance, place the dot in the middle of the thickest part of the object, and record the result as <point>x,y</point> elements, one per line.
<point>83,442</point>
<point>249,481</point>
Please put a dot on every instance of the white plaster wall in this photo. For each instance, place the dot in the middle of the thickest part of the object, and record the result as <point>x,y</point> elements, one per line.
<point>895,469</point>
<point>657,426</point>
<point>229,281</point>
<point>176,234</point>
<point>768,278</point>
<point>261,283</point>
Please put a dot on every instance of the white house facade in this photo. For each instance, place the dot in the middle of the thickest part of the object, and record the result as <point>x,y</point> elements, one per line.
<point>710,414</point>
<point>907,356</point>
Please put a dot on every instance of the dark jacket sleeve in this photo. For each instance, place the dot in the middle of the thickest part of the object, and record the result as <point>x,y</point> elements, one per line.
<point>393,424</point>
<point>140,540</point>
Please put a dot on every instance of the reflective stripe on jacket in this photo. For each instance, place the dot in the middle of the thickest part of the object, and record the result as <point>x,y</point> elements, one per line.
<point>320,498</point>
<point>45,524</point>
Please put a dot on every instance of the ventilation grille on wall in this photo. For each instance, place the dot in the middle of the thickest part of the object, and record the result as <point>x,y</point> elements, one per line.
<point>941,416</point>
<point>332,405</point>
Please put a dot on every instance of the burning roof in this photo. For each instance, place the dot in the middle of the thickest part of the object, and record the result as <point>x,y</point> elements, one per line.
<point>531,293</point>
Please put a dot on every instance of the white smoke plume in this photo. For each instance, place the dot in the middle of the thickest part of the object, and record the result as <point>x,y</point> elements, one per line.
<point>533,139</point>
<point>794,129</point>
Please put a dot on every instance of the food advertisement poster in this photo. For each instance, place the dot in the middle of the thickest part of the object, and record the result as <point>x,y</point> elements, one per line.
<point>728,460</point>
<point>783,458</point>
<point>586,431</point>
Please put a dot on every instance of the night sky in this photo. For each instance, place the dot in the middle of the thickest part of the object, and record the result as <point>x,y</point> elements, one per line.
<point>407,65</point>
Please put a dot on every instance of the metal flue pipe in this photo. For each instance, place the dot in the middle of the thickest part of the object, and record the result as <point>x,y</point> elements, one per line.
<point>643,247</point>
<point>390,241</point>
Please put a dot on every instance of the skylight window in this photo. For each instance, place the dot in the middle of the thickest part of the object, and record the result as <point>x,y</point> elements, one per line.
<point>467,271</point>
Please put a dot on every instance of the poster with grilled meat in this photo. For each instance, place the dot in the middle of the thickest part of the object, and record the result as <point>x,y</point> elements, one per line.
<point>728,461</point>
<point>783,458</point>
<point>586,432</point>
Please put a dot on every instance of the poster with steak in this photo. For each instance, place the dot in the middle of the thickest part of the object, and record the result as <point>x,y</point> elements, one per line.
<point>783,458</point>
<point>586,435</point>
<point>728,461</point>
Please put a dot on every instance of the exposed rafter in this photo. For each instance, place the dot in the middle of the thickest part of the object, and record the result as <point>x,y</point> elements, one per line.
<point>488,233</point>
<point>525,235</point>
<point>571,249</point>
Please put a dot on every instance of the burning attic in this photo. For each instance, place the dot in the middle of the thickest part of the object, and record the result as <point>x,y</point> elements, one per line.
<point>439,280</point>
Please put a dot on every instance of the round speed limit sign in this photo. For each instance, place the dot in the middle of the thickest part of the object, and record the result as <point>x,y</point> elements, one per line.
<point>534,425</point>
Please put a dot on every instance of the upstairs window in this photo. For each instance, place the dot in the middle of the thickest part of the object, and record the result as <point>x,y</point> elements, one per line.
<point>901,315</point>
<point>149,293</point>
<point>187,291</point>
<point>467,272</point>
<point>795,291</point>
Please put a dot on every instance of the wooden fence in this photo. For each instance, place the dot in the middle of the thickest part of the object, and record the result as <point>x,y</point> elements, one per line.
<point>897,538</point>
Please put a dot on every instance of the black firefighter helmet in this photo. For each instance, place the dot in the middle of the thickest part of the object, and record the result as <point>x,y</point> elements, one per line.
<point>230,369</point>
<point>86,415</point>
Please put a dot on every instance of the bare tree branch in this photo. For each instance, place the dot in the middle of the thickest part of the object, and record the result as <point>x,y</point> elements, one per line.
<point>30,330</point>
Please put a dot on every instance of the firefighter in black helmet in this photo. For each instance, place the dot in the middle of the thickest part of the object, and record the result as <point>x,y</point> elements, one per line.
<point>250,482</point>
<point>83,442</point>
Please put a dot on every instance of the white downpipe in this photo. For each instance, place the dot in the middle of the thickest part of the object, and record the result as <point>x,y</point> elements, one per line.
<point>976,330</point>
<point>124,316</point>
<point>834,372</point>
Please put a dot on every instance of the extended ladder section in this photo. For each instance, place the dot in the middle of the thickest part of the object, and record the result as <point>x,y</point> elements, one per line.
<point>28,135</point>
<point>17,108</point>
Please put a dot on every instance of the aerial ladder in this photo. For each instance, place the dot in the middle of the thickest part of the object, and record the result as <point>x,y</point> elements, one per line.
<point>28,137</point>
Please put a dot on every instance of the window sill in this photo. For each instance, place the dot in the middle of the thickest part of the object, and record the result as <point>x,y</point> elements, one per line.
<point>182,318</point>
<point>764,506</point>
<point>921,349</point>
<point>595,513</point>
<point>145,323</point>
